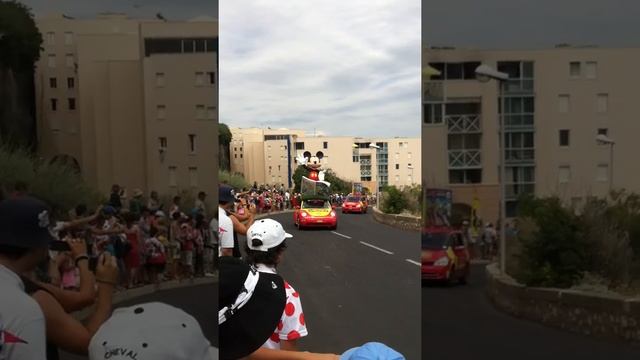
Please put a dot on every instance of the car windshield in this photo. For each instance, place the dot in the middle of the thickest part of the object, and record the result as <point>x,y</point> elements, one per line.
<point>315,204</point>
<point>434,240</point>
<point>353,199</point>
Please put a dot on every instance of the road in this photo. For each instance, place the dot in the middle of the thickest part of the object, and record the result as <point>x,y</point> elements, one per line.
<point>199,301</point>
<point>459,322</point>
<point>356,284</point>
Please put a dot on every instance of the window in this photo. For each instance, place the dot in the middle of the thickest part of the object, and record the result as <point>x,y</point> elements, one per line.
<point>72,103</point>
<point>163,143</point>
<point>51,38</point>
<point>564,137</point>
<point>603,103</point>
<point>466,176</point>
<point>51,61</point>
<point>53,83</point>
<point>172,176</point>
<point>71,83</point>
<point>454,71</point>
<point>54,104</point>
<point>211,112</point>
<point>161,111</point>
<point>192,143</point>
<point>433,113</point>
<point>68,38</point>
<point>409,155</point>
<point>193,177</point>
<point>574,69</point>
<point>564,174</point>
<point>299,145</point>
<point>199,78</point>
<point>602,173</point>
<point>69,60</point>
<point>603,131</point>
<point>211,76</point>
<point>160,79</point>
<point>397,166</point>
<point>591,69</point>
<point>564,103</point>
<point>325,145</point>
<point>200,112</point>
<point>240,156</point>
<point>235,156</point>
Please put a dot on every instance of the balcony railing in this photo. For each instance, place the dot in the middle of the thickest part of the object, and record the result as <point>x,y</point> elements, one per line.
<point>518,121</point>
<point>465,159</point>
<point>519,86</point>
<point>519,155</point>
<point>462,124</point>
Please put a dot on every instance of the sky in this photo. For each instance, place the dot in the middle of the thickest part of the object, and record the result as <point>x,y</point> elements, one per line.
<point>529,24</point>
<point>339,67</point>
<point>170,9</point>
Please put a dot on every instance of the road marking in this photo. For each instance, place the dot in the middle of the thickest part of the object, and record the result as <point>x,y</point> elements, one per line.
<point>344,236</point>
<point>413,262</point>
<point>375,247</point>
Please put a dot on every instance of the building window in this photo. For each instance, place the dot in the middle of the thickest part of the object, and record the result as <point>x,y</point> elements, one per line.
<point>199,78</point>
<point>54,104</point>
<point>71,83</point>
<point>603,131</point>
<point>409,155</point>
<point>465,176</point>
<point>161,112</point>
<point>602,174</point>
<point>51,38</point>
<point>564,103</point>
<point>235,156</point>
<point>211,112</point>
<point>172,176</point>
<point>433,113</point>
<point>574,69</point>
<point>591,70</point>
<point>193,177</point>
<point>160,79</point>
<point>72,103</point>
<point>192,143</point>
<point>397,166</point>
<point>564,137</point>
<point>51,61</point>
<point>68,38</point>
<point>564,174</point>
<point>603,103</point>
<point>69,60</point>
<point>163,143</point>
<point>325,145</point>
<point>299,145</point>
<point>240,156</point>
<point>200,112</point>
<point>211,76</point>
<point>53,83</point>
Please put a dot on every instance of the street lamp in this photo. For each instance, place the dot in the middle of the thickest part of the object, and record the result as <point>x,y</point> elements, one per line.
<point>603,139</point>
<point>485,73</point>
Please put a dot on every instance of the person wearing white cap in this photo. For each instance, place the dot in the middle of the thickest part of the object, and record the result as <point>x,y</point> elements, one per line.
<point>151,331</point>
<point>265,249</point>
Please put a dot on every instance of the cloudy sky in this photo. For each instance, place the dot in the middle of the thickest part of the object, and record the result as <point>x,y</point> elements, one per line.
<point>531,24</point>
<point>170,9</point>
<point>341,67</point>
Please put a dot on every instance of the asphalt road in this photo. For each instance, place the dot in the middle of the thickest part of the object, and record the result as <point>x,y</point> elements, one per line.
<point>200,302</point>
<point>460,322</point>
<point>353,293</point>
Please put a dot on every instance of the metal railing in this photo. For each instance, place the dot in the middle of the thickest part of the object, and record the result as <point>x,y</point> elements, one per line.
<point>463,124</point>
<point>464,159</point>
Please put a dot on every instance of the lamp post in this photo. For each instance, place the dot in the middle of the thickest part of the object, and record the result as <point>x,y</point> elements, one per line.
<point>602,139</point>
<point>486,73</point>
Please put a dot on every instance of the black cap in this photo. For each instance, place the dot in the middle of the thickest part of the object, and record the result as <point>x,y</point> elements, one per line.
<point>24,222</point>
<point>226,194</point>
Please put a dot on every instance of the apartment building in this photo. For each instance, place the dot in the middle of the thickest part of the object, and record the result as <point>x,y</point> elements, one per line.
<point>556,102</point>
<point>130,101</point>
<point>268,156</point>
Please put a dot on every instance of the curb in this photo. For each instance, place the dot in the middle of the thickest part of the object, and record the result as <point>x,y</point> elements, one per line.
<point>405,222</point>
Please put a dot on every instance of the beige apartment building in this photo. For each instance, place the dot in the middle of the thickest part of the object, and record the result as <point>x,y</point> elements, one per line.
<point>268,156</point>
<point>557,101</point>
<point>130,101</point>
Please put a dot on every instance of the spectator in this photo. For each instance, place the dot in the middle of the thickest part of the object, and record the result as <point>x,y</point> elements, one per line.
<point>200,205</point>
<point>226,200</point>
<point>153,204</point>
<point>188,238</point>
<point>19,189</point>
<point>115,200</point>
<point>155,258</point>
<point>135,205</point>
<point>175,206</point>
<point>133,255</point>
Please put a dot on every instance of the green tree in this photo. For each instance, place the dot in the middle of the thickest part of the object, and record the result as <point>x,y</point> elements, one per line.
<point>224,142</point>
<point>394,200</point>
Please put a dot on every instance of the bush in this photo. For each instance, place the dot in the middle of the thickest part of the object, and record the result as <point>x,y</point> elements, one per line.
<point>235,180</point>
<point>394,201</point>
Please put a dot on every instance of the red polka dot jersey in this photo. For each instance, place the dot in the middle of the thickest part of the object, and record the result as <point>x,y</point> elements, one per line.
<point>292,325</point>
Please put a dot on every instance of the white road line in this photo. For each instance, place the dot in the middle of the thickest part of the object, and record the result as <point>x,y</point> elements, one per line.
<point>375,247</point>
<point>413,262</point>
<point>344,236</point>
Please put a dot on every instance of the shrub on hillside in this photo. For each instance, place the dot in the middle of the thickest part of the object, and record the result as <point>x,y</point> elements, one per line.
<point>394,201</point>
<point>234,180</point>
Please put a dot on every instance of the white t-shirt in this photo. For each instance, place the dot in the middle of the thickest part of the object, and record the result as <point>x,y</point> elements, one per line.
<point>225,231</point>
<point>292,325</point>
<point>22,325</point>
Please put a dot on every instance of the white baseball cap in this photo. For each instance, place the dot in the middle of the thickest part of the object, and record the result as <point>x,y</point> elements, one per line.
<point>269,231</point>
<point>151,331</point>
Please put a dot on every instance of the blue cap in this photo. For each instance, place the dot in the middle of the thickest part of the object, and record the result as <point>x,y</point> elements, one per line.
<point>24,222</point>
<point>372,351</point>
<point>109,210</point>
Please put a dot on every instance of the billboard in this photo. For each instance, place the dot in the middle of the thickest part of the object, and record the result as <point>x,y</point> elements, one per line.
<point>438,207</point>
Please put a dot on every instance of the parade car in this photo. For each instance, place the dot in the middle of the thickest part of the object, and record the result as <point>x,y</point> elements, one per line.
<point>445,256</point>
<point>355,204</point>
<point>315,212</point>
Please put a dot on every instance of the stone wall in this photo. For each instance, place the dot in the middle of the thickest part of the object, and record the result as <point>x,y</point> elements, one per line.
<point>606,316</point>
<point>403,222</point>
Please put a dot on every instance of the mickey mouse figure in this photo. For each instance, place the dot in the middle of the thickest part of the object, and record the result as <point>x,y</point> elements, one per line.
<point>313,163</point>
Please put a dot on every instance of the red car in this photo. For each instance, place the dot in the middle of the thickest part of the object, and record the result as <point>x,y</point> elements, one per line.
<point>445,256</point>
<point>355,204</point>
<point>315,213</point>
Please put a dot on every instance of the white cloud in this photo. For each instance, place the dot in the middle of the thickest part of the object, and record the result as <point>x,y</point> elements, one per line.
<point>342,67</point>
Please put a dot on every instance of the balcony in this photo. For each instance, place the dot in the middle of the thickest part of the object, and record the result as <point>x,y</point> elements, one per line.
<point>518,122</point>
<point>518,156</point>
<point>462,124</point>
<point>465,159</point>
<point>434,90</point>
<point>519,86</point>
